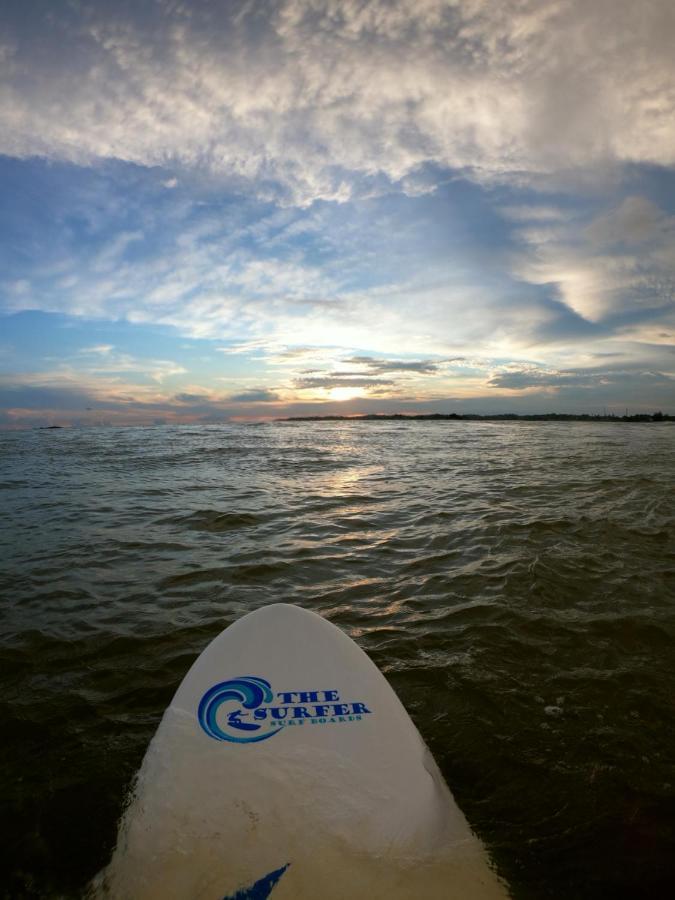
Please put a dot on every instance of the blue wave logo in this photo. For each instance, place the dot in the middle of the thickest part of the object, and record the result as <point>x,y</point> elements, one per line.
<point>248,691</point>
<point>253,715</point>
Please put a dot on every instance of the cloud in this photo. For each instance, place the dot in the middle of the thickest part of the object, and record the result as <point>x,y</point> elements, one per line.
<point>66,396</point>
<point>98,377</point>
<point>112,363</point>
<point>98,349</point>
<point>378,366</point>
<point>344,91</point>
<point>528,378</point>
<point>248,347</point>
<point>634,222</point>
<point>533,213</point>
<point>187,397</point>
<point>617,262</point>
<point>337,380</point>
<point>255,395</point>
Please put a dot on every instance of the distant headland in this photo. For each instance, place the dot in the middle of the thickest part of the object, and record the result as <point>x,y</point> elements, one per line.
<point>474,417</point>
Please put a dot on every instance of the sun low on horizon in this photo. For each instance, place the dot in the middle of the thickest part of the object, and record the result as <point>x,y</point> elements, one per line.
<point>250,210</point>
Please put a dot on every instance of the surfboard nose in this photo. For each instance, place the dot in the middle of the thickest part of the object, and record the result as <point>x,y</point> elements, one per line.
<point>285,744</point>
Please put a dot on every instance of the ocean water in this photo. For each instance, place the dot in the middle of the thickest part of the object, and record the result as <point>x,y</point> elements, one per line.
<point>514,581</point>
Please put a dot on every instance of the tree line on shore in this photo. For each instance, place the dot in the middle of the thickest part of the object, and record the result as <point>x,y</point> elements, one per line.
<point>496,417</point>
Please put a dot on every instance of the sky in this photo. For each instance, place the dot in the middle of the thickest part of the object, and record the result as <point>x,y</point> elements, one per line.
<point>215,211</point>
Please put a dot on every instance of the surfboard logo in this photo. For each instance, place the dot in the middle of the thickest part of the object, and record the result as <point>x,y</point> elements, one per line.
<point>248,690</point>
<point>254,712</point>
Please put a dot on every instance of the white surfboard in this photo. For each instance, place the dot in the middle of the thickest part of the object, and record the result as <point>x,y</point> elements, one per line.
<point>286,767</point>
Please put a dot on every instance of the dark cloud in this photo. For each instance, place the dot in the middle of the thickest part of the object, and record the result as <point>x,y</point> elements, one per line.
<point>192,398</point>
<point>336,380</point>
<point>44,397</point>
<point>528,378</point>
<point>380,366</point>
<point>257,395</point>
<point>562,323</point>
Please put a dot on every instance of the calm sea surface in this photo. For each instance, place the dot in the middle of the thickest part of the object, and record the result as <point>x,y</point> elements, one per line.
<point>515,582</point>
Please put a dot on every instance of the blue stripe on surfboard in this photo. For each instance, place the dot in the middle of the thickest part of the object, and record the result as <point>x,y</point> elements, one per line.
<point>261,889</point>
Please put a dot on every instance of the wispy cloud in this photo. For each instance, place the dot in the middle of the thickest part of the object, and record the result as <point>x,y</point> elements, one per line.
<point>98,349</point>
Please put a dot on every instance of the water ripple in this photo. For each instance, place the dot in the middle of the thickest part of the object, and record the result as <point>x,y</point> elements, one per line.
<point>515,582</point>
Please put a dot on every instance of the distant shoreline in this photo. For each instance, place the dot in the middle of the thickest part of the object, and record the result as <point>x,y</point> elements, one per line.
<point>474,417</point>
